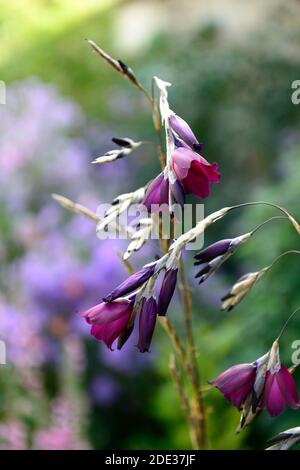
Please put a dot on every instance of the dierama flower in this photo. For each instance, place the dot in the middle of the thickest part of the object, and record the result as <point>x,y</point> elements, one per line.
<point>180,127</point>
<point>240,289</point>
<point>147,322</point>
<point>157,193</point>
<point>236,383</point>
<point>132,283</point>
<point>109,320</point>
<point>285,440</point>
<point>192,170</point>
<point>243,381</point>
<point>280,388</point>
<point>186,172</point>
<point>265,383</point>
<point>212,257</point>
<point>167,290</point>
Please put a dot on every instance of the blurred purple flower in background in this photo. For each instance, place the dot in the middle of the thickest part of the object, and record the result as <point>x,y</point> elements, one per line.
<point>52,267</point>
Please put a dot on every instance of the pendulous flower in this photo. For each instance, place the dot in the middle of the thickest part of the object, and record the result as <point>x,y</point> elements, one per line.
<point>167,290</point>
<point>211,258</point>
<point>109,320</point>
<point>147,320</point>
<point>192,170</point>
<point>132,283</point>
<point>180,127</point>
<point>280,388</point>
<point>240,289</point>
<point>186,171</point>
<point>263,384</point>
<point>285,440</point>
<point>236,383</point>
<point>157,192</point>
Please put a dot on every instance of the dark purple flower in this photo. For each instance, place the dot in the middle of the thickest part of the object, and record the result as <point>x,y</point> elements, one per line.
<point>166,291</point>
<point>213,251</point>
<point>177,192</point>
<point>131,283</point>
<point>265,383</point>
<point>147,322</point>
<point>212,257</point>
<point>157,192</point>
<point>184,132</point>
<point>109,320</point>
<point>236,383</point>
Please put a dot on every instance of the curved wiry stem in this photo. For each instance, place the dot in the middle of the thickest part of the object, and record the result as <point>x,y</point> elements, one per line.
<point>287,322</point>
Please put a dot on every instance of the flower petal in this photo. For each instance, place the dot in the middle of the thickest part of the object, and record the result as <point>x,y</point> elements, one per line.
<point>166,291</point>
<point>236,383</point>
<point>147,323</point>
<point>157,192</point>
<point>213,251</point>
<point>183,130</point>
<point>131,283</point>
<point>288,388</point>
<point>110,331</point>
<point>107,312</point>
<point>273,399</point>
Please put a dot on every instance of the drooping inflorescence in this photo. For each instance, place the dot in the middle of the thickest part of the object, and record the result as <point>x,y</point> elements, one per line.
<point>145,295</point>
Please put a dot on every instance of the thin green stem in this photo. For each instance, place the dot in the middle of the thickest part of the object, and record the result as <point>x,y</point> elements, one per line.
<point>287,322</point>
<point>266,222</point>
<point>197,404</point>
<point>281,256</point>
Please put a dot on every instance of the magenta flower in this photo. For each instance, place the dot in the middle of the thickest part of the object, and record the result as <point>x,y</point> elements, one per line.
<point>280,388</point>
<point>132,283</point>
<point>157,192</point>
<point>147,322</point>
<point>166,291</point>
<point>186,172</point>
<point>194,172</point>
<point>265,383</point>
<point>236,383</point>
<point>109,320</point>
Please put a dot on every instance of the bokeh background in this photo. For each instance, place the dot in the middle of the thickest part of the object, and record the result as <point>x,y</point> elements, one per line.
<point>231,64</point>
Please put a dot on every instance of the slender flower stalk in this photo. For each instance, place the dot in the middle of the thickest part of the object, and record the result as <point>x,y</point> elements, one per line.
<point>146,295</point>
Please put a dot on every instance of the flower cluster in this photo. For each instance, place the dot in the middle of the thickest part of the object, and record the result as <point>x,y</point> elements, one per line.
<point>263,384</point>
<point>114,317</point>
<point>187,171</point>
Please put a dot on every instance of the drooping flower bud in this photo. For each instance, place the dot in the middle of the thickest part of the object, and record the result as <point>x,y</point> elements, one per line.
<point>212,257</point>
<point>147,320</point>
<point>132,283</point>
<point>166,291</point>
<point>285,440</point>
